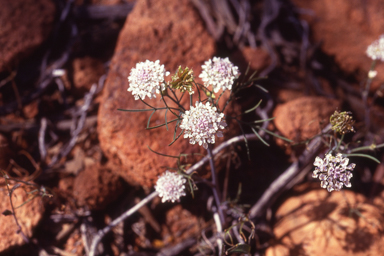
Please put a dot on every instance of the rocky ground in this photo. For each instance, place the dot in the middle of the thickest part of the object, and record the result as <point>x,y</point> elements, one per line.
<point>74,163</point>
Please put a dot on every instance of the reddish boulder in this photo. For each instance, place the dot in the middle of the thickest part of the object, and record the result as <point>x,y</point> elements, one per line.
<point>25,24</point>
<point>300,119</point>
<point>86,72</point>
<point>346,28</point>
<point>322,223</point>
<point>96,187</point>
<point>27,215</point>
<point>180,225</point>
<point>166,30</point>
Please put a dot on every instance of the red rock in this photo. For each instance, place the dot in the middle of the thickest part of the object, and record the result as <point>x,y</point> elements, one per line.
<point>346,28</point>
<point>86,72</point>
<point>27,215</point>
<point>96,187</point>
<point>169,31</point>
<point>321,223</point>
<point>25,24</point>
<point>300,119</point>
<point>180,225</point>
<point>256,58</point>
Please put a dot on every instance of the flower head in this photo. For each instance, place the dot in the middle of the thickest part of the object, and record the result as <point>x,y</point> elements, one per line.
<point>201,123</point>
<point>170,186</point>
<point>147,79</point>
<point>333,171</point>
<point>376,50</point>
<point>220,73</point>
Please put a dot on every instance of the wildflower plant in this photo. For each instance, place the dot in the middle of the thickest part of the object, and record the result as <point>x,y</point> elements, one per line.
<point>334,172</point>
<point>203,120</point>
<point>200,122</point>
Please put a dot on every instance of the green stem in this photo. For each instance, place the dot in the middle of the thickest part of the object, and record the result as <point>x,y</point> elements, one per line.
<point>339,143</point>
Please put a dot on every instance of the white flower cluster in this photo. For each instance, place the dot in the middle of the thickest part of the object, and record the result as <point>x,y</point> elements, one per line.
<point>201,123</point>
<point>333,171</point>
<point>220,73</point>
<point>170,186</point>
<point>147,79</point>
<point>376,50</point>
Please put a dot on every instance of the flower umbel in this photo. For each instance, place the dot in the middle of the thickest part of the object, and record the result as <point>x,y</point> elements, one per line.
<point>333,171</point>
<point>201,123</point>
<point>342,122</point>
<point>376,50</point>
<point>220,73</point>
<point>170,186</point>
<point>147,79</point>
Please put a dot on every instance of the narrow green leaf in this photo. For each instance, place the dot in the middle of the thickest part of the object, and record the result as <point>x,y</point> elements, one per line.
<point>253,74</point>
<point>140,110</point>
<point>161,154</point>
<point>157,126</point>
<point>166,123</point>
<point>178,136</point>
<point>240,248</point>
<point>363,155</point>
<point>27,201</point>
<point>258,135</point>
<point>149,119</point>
<point>264,120</point>
<point>274,134</point>
<point>255,107</point>
<point>247,70</point>
<point>261,88</point>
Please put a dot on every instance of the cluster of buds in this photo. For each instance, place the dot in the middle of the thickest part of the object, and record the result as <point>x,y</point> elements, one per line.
<point>342,122</point>
<point>183,80</point>
<point>333,172</point>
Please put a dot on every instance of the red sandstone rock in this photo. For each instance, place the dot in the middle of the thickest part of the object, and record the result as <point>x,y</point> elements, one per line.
<point>300,119</point>
<point>180,225</point>
<point>25,24</point>
<point>27,215</point>
<point>96,187</point>
<point>169,31</point>
<point>346,28</point>
<point>256,58</point>
<point>86,72</point>
<point>321,223</point>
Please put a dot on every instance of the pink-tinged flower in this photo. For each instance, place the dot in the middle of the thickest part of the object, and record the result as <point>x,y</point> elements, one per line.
<point>220,73</point>
<point>201,123</point>
<point>147,79</point>
<point>170,186</point>
<point>375,51</point>
<point>333,171</point>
